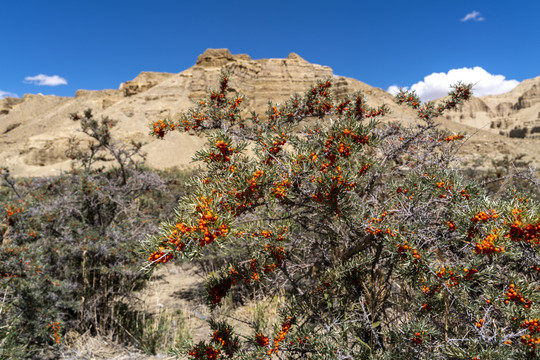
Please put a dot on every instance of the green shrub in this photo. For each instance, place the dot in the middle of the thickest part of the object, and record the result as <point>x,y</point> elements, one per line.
<point>69,254</point>
<point>382,248</point>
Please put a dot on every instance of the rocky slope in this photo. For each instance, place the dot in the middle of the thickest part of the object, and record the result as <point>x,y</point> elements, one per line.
<point>515,114</point>
<point>35,130</point>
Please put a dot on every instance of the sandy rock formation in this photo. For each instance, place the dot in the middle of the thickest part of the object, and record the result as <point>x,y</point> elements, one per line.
<point>35,130</point>
<point>7,104</point>
<point>107,97</point>
<point>144,81</point>
<point>515,114</point>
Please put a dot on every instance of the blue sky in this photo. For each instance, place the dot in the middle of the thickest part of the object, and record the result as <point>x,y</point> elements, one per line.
<point>99,44</point>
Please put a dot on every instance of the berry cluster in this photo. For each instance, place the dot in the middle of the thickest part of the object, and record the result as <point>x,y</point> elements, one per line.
<point>275,148</point>
<point>485,216</point>
<point>529,233</point>
<point>160,127</point>
<point>454,137</point>
<point>285,327</point>
<point>487,246</point>
<point>160,256</point>
<point>418,338</point>
<point>203,352</point>
<point>513,295</point>
<point>224,154</point>
<point>261,340</point>
<point>55,327</point>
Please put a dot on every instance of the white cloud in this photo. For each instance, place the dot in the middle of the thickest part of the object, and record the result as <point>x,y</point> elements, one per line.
<point>474,16</point>
<point>394,89</point>
<point>4,94</point>
<point>437,85</point>
<point>46,80</point>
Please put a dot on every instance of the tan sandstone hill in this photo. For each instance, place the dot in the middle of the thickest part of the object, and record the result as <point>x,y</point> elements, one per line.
<point>35,130</point>
<point>515,114</point>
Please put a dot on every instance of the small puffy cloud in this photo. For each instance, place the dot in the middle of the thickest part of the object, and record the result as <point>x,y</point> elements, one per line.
<point>4,94</point>
<point>394,89</point>
<point>46,80</point>
<point>474,16</point>
<point>437,85</point>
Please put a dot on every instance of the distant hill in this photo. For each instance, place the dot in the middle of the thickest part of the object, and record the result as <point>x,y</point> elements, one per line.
<point>35,130</point>
<point>515,114</point>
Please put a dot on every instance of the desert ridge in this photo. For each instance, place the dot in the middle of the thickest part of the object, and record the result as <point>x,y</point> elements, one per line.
<point>35,130</point>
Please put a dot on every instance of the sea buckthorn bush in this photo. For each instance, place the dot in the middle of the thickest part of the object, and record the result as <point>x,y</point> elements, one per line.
<point>69,254</point>
<point>379,244</point>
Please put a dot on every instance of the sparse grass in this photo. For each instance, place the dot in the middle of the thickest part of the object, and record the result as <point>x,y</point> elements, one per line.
<point>163,331</point>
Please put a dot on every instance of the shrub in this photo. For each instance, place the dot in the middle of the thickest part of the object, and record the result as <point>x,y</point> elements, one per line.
<point>69,254</point>
<point>383,249</point>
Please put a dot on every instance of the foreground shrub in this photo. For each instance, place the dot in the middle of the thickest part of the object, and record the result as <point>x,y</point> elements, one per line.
<point>382,249</point>
<point>69,256</point>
